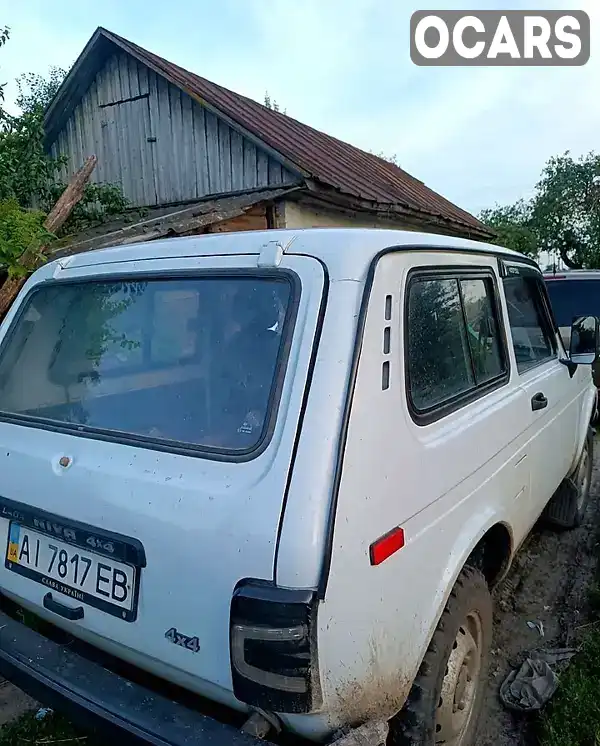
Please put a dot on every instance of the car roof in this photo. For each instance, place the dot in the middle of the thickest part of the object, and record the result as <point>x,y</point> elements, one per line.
<point>573,274</point>
<point>347,252</point>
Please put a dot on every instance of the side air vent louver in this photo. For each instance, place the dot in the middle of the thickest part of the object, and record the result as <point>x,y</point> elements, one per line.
<point>387,344</point>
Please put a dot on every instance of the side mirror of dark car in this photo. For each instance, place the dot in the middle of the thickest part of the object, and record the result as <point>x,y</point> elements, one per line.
<point>584,347</point>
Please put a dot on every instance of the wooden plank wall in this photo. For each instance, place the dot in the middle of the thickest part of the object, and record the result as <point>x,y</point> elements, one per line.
<point>157,142</point>
<point>254,219</point>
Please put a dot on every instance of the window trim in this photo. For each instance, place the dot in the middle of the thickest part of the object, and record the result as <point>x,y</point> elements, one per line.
<point>449,406</point>
<point>549,325</point>
<point>162,444</point>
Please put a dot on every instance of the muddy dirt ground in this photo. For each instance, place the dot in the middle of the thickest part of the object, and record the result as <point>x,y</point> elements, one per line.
<point>549,582</point>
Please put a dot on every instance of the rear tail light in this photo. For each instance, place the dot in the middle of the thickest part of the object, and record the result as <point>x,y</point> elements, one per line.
<point>273,647</point>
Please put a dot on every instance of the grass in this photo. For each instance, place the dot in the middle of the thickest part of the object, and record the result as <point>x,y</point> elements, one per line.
<point>573,716</point>
<point>53,729</point>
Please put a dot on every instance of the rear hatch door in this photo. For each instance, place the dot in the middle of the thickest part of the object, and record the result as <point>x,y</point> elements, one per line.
<point>148,415</point>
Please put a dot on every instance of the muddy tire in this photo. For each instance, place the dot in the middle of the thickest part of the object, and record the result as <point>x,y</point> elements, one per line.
<point>567,507</point>
<point>445,701</point>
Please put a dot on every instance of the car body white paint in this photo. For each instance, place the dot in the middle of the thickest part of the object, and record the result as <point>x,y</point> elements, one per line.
<point>493,461</point>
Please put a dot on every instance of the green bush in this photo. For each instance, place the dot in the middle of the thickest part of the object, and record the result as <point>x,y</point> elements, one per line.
<point>20,229</point>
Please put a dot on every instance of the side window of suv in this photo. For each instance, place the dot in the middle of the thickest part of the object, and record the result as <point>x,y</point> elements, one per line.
<point>454,348</point>
<point>531,329</point>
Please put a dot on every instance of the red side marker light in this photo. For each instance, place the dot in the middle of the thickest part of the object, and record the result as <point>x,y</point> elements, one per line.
<point>387,545</point>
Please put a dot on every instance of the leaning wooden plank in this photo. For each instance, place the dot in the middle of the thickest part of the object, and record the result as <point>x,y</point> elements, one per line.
<point>57,217</point>
<point>71,196</point>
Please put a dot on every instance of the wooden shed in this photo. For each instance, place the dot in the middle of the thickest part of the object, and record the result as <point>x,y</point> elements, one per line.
<point>198,157</point>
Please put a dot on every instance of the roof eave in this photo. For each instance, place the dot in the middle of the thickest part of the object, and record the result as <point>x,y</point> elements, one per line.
<point>56,111</point>
<point>175,222</point>
<point>391,211</point>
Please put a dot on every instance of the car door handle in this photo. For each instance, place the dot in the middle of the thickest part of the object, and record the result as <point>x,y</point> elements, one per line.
<point>538,401</point>
<point>67,612</point>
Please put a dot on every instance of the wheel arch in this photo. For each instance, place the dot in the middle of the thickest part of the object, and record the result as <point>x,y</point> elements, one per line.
<point>493,554</point>
<point>487,544</point>
<point>488,549</point>
<point>586,422</point>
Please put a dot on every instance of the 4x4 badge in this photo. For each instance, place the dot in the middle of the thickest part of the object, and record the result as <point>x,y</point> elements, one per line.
<point>189,643</point>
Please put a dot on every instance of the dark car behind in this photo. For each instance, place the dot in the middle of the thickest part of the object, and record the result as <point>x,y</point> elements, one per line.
<point>574,293</point>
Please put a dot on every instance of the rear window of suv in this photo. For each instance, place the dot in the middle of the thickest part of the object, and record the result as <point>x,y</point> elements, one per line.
<point>573,297</point>
<point>190,360</point>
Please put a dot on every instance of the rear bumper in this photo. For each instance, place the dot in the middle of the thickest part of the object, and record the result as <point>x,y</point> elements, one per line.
<point>92,696</point>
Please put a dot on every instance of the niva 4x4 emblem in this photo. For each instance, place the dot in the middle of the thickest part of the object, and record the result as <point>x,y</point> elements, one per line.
<point>177,638</point>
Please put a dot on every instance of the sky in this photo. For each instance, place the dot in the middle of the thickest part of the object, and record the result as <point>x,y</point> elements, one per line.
<point>479,136</point>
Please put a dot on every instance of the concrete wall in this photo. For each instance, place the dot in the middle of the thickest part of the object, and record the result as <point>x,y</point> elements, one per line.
<point>296,215</point>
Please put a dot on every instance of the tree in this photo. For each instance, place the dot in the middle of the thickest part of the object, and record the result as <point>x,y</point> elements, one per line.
<point>26,171</point>
<point>563,216</point>
<point>4,36</point>
<point>513,227</point>
<point>566,210</point>
<point>32,254</point>
<point>29,176</point>
<point>36,92</point>
<point>20,228</point>
<point>33,178</point>
<point>29,187</point>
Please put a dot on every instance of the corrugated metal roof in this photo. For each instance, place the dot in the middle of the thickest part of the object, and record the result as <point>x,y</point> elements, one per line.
<point>316,155</point>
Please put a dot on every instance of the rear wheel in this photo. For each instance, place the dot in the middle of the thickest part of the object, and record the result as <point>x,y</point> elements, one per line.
<point>447,695</point>
<point>568,506</point>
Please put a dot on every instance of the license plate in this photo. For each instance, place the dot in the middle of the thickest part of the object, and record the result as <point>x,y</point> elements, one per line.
<point>84,576</point>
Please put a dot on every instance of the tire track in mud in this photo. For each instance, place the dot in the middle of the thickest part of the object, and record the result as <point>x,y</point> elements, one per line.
<point>549,582</point>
